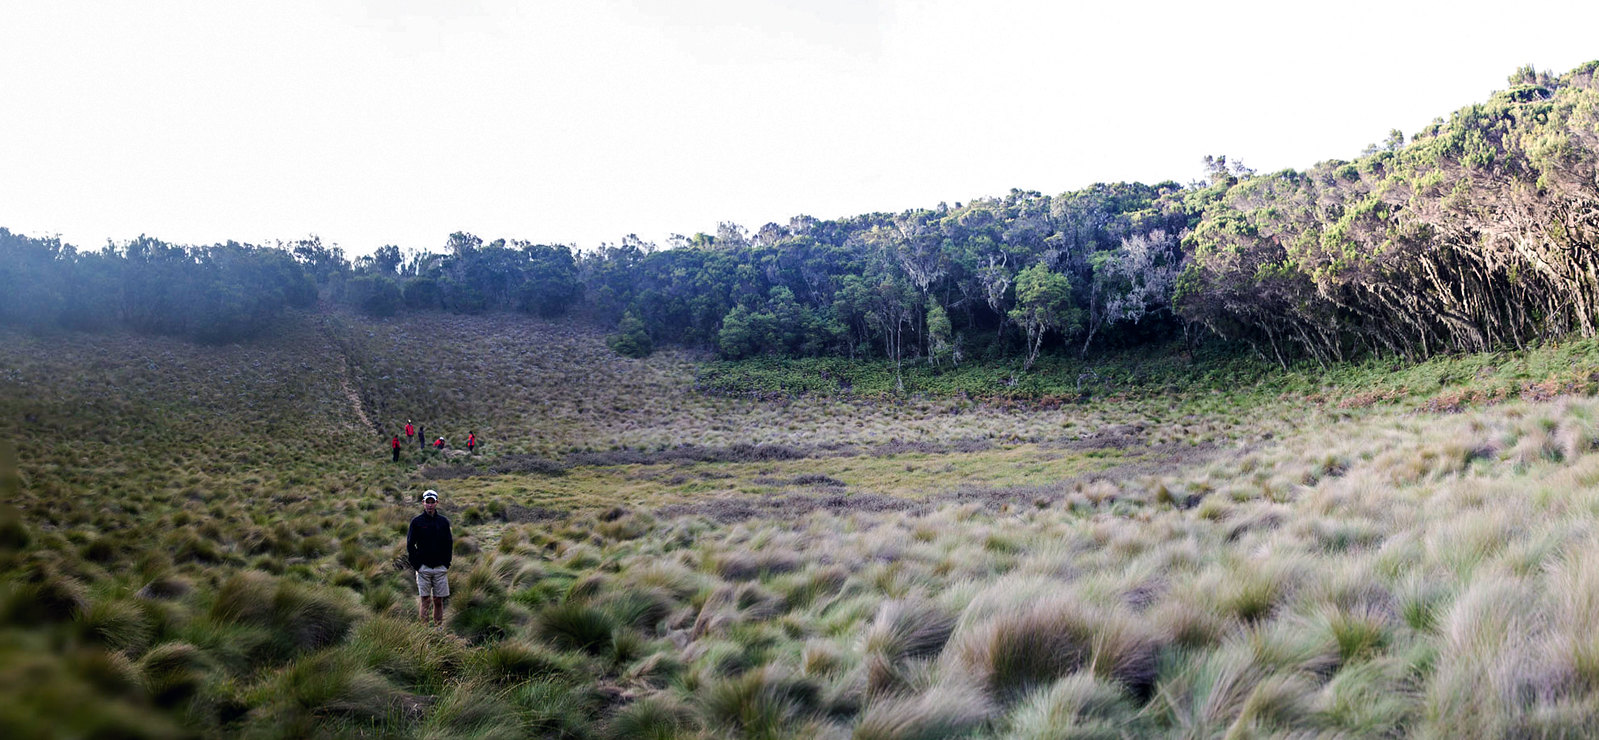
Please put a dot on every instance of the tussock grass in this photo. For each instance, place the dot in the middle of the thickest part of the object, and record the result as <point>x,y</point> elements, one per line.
<point>655,717</point>
<point>409,653</point>
<point>763,703</point>
<point>173,671</point>
<point>311,690</point>
<point>903,631</point>
<point>576,626</point>
<point>555,708</point>
<point>943,712</point>
<point>1028,645</point>
<point>639,559</point>
<point>1078,706</point>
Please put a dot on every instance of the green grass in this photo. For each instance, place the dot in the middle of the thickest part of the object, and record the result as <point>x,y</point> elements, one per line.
<point>202,540</point>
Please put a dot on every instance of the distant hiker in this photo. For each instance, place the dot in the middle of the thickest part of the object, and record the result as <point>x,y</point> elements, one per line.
<point>471,442</point>
<point>428,545</point>
<point>409,430</point>
<point>395,443</point>
<point>421,438</point>
<point>438,444</point>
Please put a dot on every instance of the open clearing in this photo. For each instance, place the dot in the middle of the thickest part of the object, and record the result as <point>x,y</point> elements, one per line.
<point>203,543</point>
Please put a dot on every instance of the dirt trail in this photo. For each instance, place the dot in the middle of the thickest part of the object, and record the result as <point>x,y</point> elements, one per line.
<point>356,405</point>
<point>355,398</point>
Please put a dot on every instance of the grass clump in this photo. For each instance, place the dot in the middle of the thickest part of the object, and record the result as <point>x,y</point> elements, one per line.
<point>1029,645</point>
<point>903,631</point>
<point>654,717</point>
<point>942,713</point>
<point>516,661</point>
<point>763,703</point>
<point>1078,706</point>
<point>319,694</point>
<point>297,617</point>
<point>576,626</point>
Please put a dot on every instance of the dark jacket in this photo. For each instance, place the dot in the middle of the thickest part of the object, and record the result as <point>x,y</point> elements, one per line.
<point>427,542</point>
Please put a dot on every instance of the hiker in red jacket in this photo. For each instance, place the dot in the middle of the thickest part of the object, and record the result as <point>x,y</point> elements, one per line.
<point>395,443</point>
<point>409,431</point>
<point>471,442</point>
<point>439,444</point>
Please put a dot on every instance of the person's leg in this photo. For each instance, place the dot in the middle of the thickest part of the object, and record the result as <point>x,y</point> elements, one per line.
<point>424,595</point>
<point>441,594</point>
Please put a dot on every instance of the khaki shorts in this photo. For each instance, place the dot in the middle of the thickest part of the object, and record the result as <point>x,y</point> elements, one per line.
<point>431,581</point>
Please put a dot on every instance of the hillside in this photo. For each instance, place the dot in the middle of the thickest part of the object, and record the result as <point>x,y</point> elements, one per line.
<point>201,541</point>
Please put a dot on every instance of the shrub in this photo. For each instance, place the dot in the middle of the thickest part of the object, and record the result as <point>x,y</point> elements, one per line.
<point>631,339</point>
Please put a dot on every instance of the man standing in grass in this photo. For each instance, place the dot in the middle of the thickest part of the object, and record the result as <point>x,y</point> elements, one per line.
<point>429,546</point>
<point>395,444</point>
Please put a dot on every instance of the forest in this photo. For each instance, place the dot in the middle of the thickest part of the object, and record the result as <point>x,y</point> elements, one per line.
<point>1474,233</point>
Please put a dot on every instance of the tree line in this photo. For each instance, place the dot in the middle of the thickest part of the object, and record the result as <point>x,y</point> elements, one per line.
<point>1476,232</point>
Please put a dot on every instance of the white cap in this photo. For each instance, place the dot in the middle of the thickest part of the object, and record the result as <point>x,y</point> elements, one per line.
<point>430,494</point>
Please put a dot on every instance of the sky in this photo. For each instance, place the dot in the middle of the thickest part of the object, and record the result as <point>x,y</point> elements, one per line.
<point>367,122</point>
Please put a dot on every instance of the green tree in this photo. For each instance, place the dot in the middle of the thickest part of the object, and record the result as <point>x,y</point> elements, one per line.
<point>940,343</point>
<point>1043,304</point>
<point>631,338</point>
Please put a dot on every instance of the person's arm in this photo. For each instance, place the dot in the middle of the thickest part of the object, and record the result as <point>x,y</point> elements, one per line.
<point>411,545</point>
<point>449,543</point>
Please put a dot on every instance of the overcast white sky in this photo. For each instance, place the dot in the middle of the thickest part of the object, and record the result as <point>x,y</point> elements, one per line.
<point>371,123</point>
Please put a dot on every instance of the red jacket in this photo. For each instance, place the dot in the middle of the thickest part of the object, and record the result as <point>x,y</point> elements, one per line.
<point>471,440</point>
<point>395,443</point>
<point>408,430</point>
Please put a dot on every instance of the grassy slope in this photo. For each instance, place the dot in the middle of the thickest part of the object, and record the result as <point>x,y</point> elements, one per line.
<point>205,539</point>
